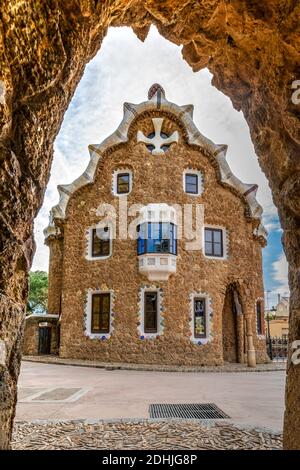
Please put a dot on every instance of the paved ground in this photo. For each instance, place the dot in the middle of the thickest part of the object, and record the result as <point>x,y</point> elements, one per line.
<point>50,391</point>
<point>227,367</point>
<point>142,435</point>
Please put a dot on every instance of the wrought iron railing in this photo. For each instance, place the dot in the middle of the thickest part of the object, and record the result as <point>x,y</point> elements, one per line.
<point>277,347</point>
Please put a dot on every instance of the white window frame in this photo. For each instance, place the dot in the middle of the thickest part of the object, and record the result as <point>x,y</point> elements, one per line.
<point>208,314</point>
<point>224,238</point>
<point>197,173</point>
<point>89,256</point>
<point>141,329</point>
<point>88,314</point>
<point>115,181</point>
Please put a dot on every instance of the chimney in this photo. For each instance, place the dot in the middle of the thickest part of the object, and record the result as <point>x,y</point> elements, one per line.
<point>279,298</point>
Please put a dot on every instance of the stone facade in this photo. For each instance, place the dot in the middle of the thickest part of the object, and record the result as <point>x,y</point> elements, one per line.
<point>158,178</point>
<point>279,324</point>
<point>33,323</point>
<point>244,45</point>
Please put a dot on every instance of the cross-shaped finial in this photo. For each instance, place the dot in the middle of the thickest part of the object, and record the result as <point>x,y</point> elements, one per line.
<point>157,141</point>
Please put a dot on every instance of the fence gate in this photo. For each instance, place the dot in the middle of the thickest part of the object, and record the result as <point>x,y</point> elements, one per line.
<point>277,347</point>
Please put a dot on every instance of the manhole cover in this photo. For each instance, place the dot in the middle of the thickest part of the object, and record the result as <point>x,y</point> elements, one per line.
<point>187,411</point>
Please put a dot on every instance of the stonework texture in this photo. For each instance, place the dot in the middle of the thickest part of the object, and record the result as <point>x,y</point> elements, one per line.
<point>173,435</point>
<point>31,335</point>
<point>195,272</point>
<point>252,51</point>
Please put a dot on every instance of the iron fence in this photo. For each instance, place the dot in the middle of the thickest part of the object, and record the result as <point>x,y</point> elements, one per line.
<point>277,348</point>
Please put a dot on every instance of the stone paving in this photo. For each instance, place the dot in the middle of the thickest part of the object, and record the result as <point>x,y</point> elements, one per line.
<point>147,434</point>
<point>250,399</point>
<point>228,367</point>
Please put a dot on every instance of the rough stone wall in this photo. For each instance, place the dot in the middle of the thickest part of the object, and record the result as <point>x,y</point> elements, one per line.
<point>30,344</point>
<point>55,275</point>
<point>250,47</point>
<point>31,338</point>
<point>195,273</point>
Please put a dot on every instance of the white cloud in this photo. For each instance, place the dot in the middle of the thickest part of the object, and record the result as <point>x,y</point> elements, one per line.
<point>123,70</point>
<point>280,274</point>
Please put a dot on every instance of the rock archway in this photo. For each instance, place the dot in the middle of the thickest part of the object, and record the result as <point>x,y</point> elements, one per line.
<point>252,50</point>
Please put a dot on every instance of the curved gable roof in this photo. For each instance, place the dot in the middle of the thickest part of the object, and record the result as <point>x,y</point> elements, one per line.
<point>157,101</point>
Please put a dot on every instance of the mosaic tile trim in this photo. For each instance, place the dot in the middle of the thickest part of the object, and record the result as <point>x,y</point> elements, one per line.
<point>87,314</point>
<point>140,328</point>
<point>208,318</point>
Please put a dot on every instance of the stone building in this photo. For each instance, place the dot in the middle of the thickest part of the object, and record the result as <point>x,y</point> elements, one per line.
<point>279,324</point>
<point>41,335</point>
<point>131,280</point>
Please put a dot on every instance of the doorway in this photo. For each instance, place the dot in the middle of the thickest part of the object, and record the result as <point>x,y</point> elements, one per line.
<point>229,328</point>
<point>44,340</point>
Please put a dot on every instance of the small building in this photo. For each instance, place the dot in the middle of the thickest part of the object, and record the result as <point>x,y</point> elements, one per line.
<point>279,325</point>
<point>131,277</point>
<point>41,335</point>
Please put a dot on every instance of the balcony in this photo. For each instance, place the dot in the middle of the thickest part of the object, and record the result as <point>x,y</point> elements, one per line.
<point>157,267</point>
<point>157,242</point>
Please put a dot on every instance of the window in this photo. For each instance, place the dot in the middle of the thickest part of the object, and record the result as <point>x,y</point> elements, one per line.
<point>123,183</point>
<point>100,242</point>
<point>199,318</point>
<point>150,306</point>
<point>213,242</point>
<point>157,237</point>
<point>259,318</point>
<point>150,312</point>
<point>100,313</point>
<point>191,183</point>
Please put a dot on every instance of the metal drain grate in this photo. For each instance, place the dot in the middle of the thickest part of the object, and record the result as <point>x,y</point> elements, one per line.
<point>187,411</point>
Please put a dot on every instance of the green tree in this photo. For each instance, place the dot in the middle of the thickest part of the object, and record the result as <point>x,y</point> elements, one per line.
<point>38,292</point>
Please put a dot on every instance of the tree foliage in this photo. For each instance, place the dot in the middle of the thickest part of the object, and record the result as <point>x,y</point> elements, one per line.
<point>38,292</point>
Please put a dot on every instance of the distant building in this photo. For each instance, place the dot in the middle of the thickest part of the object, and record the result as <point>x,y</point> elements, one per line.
<point>152,297</point>
<point>41,335</point>
<point>279,325</point>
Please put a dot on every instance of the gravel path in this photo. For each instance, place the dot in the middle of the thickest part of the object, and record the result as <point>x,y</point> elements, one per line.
<point>166,435</point>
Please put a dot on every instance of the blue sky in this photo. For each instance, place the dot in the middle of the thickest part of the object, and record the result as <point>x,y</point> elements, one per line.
<point>123,70</point>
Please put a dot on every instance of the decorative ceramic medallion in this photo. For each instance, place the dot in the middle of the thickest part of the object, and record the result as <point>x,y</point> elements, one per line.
<point>157,142</point>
